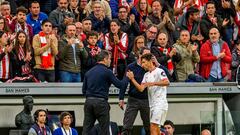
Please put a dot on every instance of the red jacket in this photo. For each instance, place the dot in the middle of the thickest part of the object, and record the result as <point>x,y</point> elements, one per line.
<point>207,58</point>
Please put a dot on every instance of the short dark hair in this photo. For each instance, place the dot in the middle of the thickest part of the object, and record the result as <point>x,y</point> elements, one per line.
<point>22,9</point>
<point>156,1</point>
<point>63,114</point>
<point>36,114</point>
<point>102,55</point>
<point>122,7</point>
<point>46,21</point>
<point>152,25</point>
<point>34,3</point>
<point>92,33</point>
<point>147,57</point>
<point>191,11</point>
<point>5,3</point>
<point>141,51</point>
<point>169,122</point>
<point>210,2</point>
<point>86,19</point>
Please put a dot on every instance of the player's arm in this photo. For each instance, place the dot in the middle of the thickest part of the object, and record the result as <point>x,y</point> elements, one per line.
<point>164,82</point>
<point>140,87</point>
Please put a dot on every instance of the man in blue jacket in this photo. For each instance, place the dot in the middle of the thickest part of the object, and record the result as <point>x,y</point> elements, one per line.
<point>96,88</point>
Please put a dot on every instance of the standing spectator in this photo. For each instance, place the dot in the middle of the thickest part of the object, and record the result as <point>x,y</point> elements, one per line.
<point>116,42</point>
<point>215,58</point>
<point>24,57</point>
<point>93,50</point>
<point>6,58</point>
<point>236,62</point>
<point>105,7</point>
<point>87,27</point>
<point>45,47</point>
<point>137,101</point>
<point>74,8</point>
<point>166,55</point>
<point>162,21</point>
<point>150,35</point>
<point>169,127</point>
<point>128,25</point>
<point>190,21</point>
<point>82,10</point>
<point>189,56</point>
<point>143,9</point>
<point>20,23</point>
<point>6,11</point>
<point>71,53</point>
<point>237,21</point>
<point>61,17</point>
<point>79,31</point>
<point>211,19</point>
<point>66,119</point>
<point>40,127</point>
<point>155,80</point>
<point>35,17</point>
<point>4,26</point>
<point>138,44</point>
<point>226,9</point>
<point>100,22</point>
<point>96,89</point>
<point>181,6</point>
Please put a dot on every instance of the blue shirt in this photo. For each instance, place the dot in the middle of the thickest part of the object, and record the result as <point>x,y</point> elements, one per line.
<point>98,80</point>
<point>36,24</point>
<point>216,67</point>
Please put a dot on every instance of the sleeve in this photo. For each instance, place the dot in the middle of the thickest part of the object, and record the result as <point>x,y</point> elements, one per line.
<point>32,132</point>
<point>84,87</point>
<point>228,56</point>
<point>235,61</point>
<point>205,57</point>
<point>123,89</point>
<point>123,44</point>
<point>114,7</point>
<point>162,74</point>
<point>54,46</point>
<point>144,78</point>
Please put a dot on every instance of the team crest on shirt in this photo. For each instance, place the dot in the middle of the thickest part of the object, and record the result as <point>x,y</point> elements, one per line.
<point>163,73</point>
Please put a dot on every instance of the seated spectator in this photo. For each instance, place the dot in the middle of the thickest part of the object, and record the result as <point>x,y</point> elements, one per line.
<point>61,17</point>
<point>116,42</point>
<point>189,56</point>
<point>205,132</point>
<point>104,5</point>
<point>6,58</point>
<point>215,58</point>
<point>190,21</point>
<point>162,21</point>
<point>66,119</point>
<point>40,128</point>
<point>100,22</point>
<point>128,25</point>
<point>35,17</point>
<point>45,47</point>
<point>71,53</point>
<point>169,127</point>
<point>93,50</point>
<point>138,44</point>
<point>24,57</point>
<point>236,62</point>
<point>143,10</point>
<point>166,55</point>
<point>20,23</point>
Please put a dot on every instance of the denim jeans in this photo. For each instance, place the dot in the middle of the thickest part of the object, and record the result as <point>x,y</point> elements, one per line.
<point>212,79</point>
<point>69,76</point>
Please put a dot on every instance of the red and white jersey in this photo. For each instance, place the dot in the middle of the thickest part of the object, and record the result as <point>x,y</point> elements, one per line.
<point>4,66</point>
<point>196,3</point>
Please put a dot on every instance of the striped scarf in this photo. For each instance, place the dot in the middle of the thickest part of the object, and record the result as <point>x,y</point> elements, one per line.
<point>26,67</point>
<point>46,57</point>
<point>166,52</point>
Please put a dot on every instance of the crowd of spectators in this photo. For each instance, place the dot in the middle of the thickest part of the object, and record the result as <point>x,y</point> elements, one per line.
<point>59,40</point>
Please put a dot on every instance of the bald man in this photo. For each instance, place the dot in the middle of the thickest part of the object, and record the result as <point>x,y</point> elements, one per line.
<point>205,132</point>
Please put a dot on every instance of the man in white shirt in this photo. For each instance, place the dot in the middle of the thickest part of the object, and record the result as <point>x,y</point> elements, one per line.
<point>156,81</point>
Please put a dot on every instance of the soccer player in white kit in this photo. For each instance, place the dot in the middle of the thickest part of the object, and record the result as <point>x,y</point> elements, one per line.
<point>156,82</point>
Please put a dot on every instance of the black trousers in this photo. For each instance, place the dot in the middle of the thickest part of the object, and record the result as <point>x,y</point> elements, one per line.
<point>96,109</point>
<point>133,106</point>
